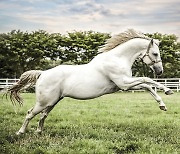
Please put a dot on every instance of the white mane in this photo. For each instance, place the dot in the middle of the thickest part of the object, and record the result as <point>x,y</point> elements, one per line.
<point>123,37</point>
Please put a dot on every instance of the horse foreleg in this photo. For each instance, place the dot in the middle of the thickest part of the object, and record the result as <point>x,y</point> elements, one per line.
<point>130,82</point>
<point>159,86</point>
<point>162,106</point>
<point>31,113</point>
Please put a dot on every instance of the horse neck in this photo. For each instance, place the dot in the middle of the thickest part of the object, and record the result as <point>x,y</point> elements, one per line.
<point>131,49</point>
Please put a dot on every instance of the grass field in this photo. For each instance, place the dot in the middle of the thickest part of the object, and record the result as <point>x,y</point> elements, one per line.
<point>112,124</point>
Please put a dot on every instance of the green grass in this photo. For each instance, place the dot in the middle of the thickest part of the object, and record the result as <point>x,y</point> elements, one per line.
<point>118,123</point>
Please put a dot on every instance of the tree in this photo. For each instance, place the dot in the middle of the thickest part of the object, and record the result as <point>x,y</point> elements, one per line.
<point>80,47</point>
<point>22,51</point>
<point>7,58</point>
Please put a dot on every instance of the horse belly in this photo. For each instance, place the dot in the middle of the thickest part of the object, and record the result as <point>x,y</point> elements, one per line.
<point>89,89</point>
<point>80,82</point>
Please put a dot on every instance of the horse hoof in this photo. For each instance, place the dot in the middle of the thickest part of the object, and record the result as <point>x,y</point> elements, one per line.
<point>19,133</point>
<point>163,108</point>
<point>169,92</point>
<point>38,132</point>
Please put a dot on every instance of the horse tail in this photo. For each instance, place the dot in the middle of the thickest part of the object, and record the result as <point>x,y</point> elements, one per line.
<point>27,79</point>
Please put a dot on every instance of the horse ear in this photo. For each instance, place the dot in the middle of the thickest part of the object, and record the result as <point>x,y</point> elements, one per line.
<point>157,42</point>
<point>152,41</point>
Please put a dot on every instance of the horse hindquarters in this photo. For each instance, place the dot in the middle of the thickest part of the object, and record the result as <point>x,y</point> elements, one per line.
<point>39,107</point>
<point>46,98</point>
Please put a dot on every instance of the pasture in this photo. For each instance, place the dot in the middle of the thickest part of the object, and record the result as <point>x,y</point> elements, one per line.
<point>112,124</point>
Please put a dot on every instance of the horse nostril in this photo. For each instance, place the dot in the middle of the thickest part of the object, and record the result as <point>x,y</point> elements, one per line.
<point>160,72</point>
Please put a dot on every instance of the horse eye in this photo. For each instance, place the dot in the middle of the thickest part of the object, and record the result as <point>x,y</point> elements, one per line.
<point>155,54</point>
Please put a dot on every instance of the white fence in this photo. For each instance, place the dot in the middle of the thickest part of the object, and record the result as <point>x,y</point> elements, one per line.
<point>6,83</point>
<point>173,83</point>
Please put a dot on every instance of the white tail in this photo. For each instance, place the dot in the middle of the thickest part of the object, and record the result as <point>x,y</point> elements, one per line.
<point>28,79</point>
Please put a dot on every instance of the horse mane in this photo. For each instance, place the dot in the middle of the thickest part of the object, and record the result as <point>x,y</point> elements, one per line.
<point>120,38</point>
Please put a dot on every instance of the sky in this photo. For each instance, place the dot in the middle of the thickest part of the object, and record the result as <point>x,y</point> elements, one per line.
<point>109,16</point>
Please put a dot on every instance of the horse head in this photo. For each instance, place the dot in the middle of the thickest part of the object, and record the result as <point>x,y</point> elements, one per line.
<point>152,57</point>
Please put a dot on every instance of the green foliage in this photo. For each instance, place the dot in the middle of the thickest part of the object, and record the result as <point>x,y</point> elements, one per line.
<point>80,47</point>
<point>113,124</point>
<point>22,51</point>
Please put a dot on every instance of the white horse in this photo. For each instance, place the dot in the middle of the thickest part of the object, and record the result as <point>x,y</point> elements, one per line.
<point>108,72</point>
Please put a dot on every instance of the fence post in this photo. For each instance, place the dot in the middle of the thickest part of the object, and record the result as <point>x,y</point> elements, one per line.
<point>6,83</point>
<point>165,82</point>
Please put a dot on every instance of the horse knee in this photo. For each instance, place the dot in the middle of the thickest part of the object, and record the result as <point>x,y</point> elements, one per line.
<point>29,116</point>
<point>29,111</point>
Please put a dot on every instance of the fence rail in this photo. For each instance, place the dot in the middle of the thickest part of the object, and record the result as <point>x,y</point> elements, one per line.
<point>173,83</point>
<point>6,83</point>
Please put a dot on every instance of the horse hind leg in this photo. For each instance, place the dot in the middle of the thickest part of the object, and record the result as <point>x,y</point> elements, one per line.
<point>30,115</point>
<point>44,115</point>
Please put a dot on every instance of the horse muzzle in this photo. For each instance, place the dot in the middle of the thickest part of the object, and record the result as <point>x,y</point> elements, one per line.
<point>157,68</point>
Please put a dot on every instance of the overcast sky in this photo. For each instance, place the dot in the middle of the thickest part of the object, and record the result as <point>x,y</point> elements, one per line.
<point>112,16</point>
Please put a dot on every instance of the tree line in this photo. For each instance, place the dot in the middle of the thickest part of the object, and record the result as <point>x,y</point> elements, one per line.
<point>22,51</point>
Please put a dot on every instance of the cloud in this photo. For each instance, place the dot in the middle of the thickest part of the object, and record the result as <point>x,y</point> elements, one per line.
<point>110,16</point>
